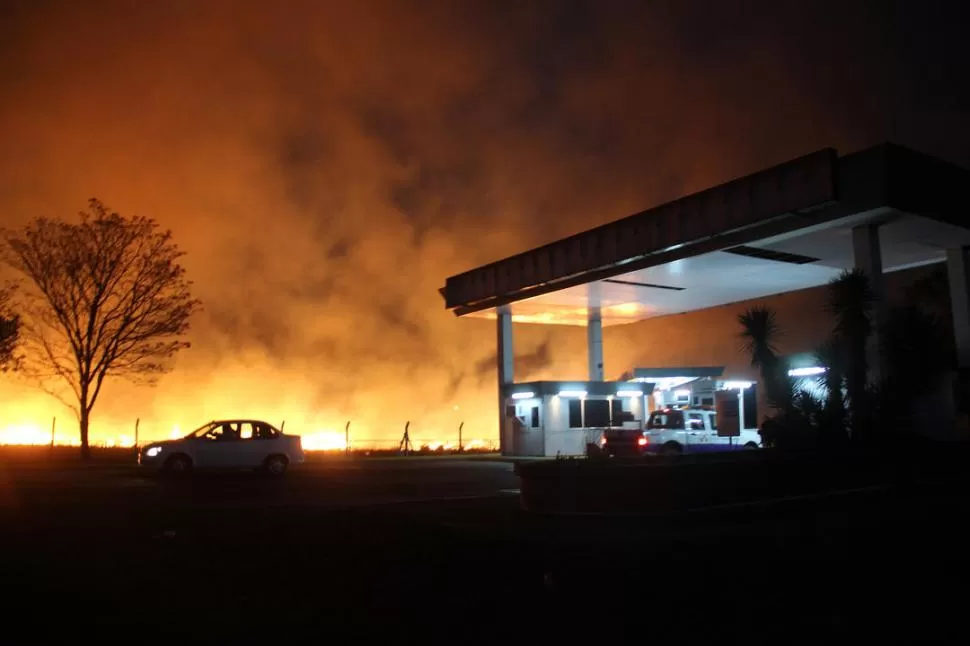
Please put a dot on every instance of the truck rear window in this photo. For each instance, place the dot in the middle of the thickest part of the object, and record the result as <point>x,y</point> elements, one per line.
<point>673,419</point>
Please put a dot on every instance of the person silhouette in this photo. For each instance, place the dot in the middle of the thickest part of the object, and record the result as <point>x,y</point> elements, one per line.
<point>228,432</point>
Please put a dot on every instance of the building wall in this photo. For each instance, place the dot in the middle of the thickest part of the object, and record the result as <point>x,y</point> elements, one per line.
<point>560,439</point>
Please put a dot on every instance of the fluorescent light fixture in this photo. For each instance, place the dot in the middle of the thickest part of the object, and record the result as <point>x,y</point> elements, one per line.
<point>670,383</point>
<point>629,393</point>
<point>737,385</point>
<point>572,393</point>
<point>806,372</point>
<point>682,393</point>
<point>528,395</point>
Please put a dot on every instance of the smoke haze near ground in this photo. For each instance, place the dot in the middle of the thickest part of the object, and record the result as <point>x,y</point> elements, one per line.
<point>325,165</point>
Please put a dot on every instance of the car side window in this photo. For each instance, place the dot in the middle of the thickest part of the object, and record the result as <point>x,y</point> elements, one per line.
<point>263,431</point>
<point>221,432</point>
<point>695,422</point>
<point>246,431</point>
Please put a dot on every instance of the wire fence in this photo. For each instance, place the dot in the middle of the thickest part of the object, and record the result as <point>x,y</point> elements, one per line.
<point>66,434</point>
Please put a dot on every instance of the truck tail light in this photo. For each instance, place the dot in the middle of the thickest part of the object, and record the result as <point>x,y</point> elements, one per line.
<point>642,441</point>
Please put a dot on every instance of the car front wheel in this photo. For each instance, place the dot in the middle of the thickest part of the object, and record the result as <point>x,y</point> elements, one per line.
<point>275,465</point>
<point>178,464</point>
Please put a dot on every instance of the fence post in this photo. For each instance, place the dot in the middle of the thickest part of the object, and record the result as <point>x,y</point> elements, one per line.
<point>461,448</point>
<point>347,438</point>
<point>137,422</point>
<point>53,430</point>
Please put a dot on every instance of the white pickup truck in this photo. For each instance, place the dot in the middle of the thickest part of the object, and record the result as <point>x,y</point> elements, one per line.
<point>672,431</point>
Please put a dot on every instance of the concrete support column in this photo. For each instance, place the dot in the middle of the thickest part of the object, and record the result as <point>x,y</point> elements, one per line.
<point>506,375</point>
<point>594,344</point>
<point>868,258</point>
<point>958,273</point>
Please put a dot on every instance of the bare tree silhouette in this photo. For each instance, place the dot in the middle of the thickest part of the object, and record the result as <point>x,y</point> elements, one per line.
<point>105,296</point>
<point>9,331</point>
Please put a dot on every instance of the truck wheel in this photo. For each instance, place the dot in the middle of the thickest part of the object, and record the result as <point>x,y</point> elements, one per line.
<point>751,446</point>
<point>671,448</point>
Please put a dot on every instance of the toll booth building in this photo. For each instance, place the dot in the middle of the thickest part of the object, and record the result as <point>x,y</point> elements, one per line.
<point>561,418</point>
<point>548,418</point>
<point>790,227</point>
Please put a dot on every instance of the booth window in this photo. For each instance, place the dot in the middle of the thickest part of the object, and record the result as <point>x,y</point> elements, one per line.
<point>575,413</point>
<point>535,417</point>
<point>620,415</point>
<point>597,413</point>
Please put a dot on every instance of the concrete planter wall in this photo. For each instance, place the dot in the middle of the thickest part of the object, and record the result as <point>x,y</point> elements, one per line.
<point>640,486</point>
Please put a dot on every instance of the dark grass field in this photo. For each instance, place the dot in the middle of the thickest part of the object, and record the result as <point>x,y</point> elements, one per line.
<point>437,549</point>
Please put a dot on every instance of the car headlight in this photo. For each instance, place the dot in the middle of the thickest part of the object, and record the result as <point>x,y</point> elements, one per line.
<point>152,451</point>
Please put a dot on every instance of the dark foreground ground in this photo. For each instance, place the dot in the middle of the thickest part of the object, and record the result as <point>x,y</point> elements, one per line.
<point>437,550</point>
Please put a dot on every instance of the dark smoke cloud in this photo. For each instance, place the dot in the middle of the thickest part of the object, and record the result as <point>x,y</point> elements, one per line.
<point>327,164</point>
<point>527,366</point>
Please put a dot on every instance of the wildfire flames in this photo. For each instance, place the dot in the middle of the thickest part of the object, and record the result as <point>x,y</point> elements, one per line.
<point>23,427</point>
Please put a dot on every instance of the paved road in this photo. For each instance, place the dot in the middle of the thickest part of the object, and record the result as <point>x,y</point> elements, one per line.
<point>410,543</point>
<point>38,499</point>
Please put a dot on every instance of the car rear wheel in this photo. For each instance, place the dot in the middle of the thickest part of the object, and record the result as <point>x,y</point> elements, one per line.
<point>751,446</point>
<point>671,448</point>
<point>178,464</point>
<point>275,465</point>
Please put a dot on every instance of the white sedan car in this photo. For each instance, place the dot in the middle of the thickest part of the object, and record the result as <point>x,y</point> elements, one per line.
<point>226,444</point>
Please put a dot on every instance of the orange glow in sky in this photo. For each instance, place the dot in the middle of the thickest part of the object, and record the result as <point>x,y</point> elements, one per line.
<point>325,168</point>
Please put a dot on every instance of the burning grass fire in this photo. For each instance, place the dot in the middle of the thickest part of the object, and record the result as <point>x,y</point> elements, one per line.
<point>29,416</point>
<point>26,429</point>
<point>63,432</point>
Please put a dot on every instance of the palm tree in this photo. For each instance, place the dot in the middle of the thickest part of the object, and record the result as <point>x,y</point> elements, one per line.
<point>931,293</point>
<point>759,332</point>
<point>918,354</point>
<point>830,355</point>
<point>850,300</point>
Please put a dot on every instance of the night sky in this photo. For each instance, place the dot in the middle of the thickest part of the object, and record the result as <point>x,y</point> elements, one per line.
<point>327,165</point>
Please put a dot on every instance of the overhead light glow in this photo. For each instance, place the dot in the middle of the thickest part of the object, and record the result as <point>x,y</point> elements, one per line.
<point>627,309</point>
<point>806,372</point>
<point>629,393</point>
<point>528,395</point>
<point>737,385</point>
<point>670,383</point>
<point>572,393</point>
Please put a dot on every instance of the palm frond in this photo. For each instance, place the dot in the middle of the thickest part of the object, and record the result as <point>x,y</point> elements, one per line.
<point>850,299</point>
<point>759,332</point>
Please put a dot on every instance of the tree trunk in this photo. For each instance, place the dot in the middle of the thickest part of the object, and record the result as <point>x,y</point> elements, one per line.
<point>85,447</point>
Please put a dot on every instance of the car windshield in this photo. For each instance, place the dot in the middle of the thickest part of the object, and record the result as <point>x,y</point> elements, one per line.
<point>672,419</point>
<point>199,432</point>
<point>216,431</point>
